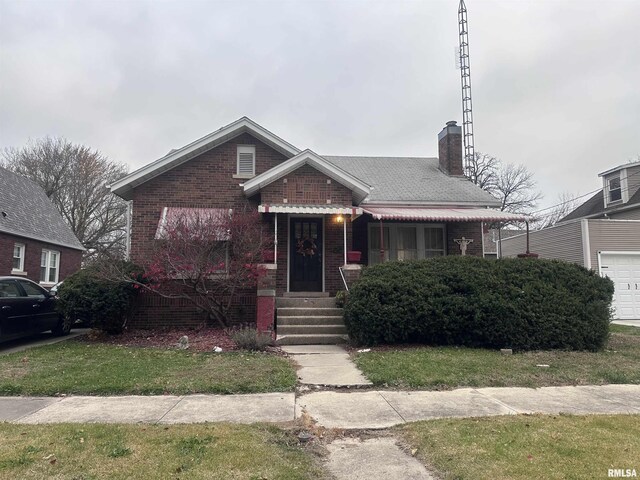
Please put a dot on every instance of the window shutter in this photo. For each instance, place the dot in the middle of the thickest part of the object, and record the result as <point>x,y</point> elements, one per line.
<point>246,160</point>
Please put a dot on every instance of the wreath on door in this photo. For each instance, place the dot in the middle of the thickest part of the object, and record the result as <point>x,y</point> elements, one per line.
<point>306,247</point>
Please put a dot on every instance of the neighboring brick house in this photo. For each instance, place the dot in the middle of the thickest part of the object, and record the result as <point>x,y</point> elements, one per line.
<point>387,208</point>
<point>602,234</point>
<point>35,242</point>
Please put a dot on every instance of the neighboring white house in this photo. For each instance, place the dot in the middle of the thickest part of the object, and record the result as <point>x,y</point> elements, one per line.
<point>602,234</point>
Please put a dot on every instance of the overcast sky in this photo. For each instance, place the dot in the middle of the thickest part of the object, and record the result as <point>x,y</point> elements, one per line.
<point>555,83</point>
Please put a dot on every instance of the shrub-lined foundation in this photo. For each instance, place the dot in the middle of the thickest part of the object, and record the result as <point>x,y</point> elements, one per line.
<point>524,304</point>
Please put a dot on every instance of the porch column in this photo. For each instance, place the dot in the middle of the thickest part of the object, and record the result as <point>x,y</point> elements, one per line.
<point>344,229</point>
<point>275,240</point>
<point>381,242</point>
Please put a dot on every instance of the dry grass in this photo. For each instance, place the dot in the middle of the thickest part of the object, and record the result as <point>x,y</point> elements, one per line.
<point>528,446</point>
<point>451,367</point>
<point>143,452</point>
<point>95,369</point>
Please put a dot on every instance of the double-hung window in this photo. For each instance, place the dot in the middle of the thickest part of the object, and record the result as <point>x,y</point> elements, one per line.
<point>49,266</point>
<point>18,258</point>
<point>404,241</point>
<point>246,161</point>
<point>615,189</point>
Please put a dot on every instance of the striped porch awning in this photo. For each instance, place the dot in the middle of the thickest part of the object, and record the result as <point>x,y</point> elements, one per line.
<point>428,214</point>
<point>311,209</point>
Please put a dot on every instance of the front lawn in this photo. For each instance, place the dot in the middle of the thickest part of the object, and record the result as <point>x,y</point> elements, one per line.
<point>528,446</point>
<point>451,367</point>
<point>78,368</point>
<point>94,451</point>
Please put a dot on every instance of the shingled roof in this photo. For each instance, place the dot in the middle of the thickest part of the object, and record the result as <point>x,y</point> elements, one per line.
<point>413,180</point>
<point>594,207</point>
<point>26,211</point>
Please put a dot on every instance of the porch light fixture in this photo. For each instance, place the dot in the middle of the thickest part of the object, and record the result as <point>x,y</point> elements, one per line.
<point>339,219</point>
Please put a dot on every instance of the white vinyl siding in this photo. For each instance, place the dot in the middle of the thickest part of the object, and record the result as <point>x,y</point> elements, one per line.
<point>18,258</point>
<point>49,266</point>
<point>406,241</point>
<point>246,161</point>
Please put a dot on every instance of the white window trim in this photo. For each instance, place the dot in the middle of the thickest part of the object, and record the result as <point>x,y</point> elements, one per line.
<point>22,255</point>
<point>245,149</point>
<point>420,245</point>
<point>607,182</point>
<point>57,267</point>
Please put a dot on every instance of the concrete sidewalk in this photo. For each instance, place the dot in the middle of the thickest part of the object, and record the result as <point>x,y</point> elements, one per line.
<point>348,410</point>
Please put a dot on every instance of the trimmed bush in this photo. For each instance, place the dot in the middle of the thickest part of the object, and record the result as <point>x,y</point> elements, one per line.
<point>524,304</point>
<point>102,304</point>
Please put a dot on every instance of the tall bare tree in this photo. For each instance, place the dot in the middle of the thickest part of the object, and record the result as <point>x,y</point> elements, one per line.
<point>76,178</point>
<point>567,202</point>
<point>512,184</point>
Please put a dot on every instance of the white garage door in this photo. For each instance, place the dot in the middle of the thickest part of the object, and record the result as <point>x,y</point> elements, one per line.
<point>624,270</point>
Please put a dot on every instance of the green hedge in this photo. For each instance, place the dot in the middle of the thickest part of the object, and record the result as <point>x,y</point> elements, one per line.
<point>100,303</point>
<point>524,304</point>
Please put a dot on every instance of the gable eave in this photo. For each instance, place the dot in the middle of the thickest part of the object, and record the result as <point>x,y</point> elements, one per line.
<point>359,188</point>
<point>124,187</point>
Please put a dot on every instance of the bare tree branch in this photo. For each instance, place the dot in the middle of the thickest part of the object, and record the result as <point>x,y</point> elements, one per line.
<point>76,178</point>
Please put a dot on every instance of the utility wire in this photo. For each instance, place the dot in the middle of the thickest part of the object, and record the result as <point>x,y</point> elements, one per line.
<point>582,196</point>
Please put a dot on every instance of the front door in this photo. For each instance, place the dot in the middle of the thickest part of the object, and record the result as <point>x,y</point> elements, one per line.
<point>305,273</point>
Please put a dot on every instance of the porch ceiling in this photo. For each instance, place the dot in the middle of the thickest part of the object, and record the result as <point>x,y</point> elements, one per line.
<point>443,214</point>
<point>311,209</point>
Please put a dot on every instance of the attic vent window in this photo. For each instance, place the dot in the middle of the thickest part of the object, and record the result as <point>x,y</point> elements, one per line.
<point>246,161</point>
<point>615,192</point>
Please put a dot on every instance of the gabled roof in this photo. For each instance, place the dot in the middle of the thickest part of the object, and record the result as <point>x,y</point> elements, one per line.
<point>412,181</point>
<point>179,156</point>
<point>26,211</point>
<point>594,207</point>
<point>359,188</point>
<point>620,167</point>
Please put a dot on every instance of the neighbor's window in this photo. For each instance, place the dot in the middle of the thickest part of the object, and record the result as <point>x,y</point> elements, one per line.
<point>49,266</point>
<point>406,242</point>
<point>615,192</point>
<point>18,258</point>
<point>246,160</point>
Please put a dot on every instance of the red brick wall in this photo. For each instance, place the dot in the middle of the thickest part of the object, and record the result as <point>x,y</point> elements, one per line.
<point>450,151</point>
<point>306,186</point>
<point>467,230</point>
<point>206,181</point>
<point>70,259</point>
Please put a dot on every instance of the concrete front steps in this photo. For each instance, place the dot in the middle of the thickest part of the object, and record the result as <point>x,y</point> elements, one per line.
<point>308,319</point>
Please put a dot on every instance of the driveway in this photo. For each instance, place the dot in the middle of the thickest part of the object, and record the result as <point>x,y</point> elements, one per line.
<point>630,323</point>
<point>37,340</point>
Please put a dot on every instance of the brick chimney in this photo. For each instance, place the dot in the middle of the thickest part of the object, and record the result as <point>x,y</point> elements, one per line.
<point>450,149</point>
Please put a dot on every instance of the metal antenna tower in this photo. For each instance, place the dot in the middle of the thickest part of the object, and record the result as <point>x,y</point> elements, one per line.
<point>465,78</point>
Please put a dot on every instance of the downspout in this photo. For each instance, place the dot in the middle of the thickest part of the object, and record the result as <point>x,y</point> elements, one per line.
<point>527,224</point>
<point>127,251</point>
<point>344,229</point>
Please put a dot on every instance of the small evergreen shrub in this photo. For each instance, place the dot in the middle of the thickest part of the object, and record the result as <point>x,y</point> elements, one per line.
<point>341,298</point>
<point>100,303</point>
<point>252,340</point>
<point>524,304</point>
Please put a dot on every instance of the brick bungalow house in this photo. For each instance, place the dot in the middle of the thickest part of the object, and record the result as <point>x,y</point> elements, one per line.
<point>386,208</point>
<point>35,242</point>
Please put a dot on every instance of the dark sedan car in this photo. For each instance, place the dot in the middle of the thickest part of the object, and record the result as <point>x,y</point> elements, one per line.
<point>27,308</point>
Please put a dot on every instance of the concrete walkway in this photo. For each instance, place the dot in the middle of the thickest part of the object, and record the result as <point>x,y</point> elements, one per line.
<point>38,341</point>
<point>628,323</point>
<point>347,410</point>
<point>327,365</point>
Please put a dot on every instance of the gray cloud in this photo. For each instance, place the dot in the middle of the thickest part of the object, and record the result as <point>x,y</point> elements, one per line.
<point>553,82</point>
